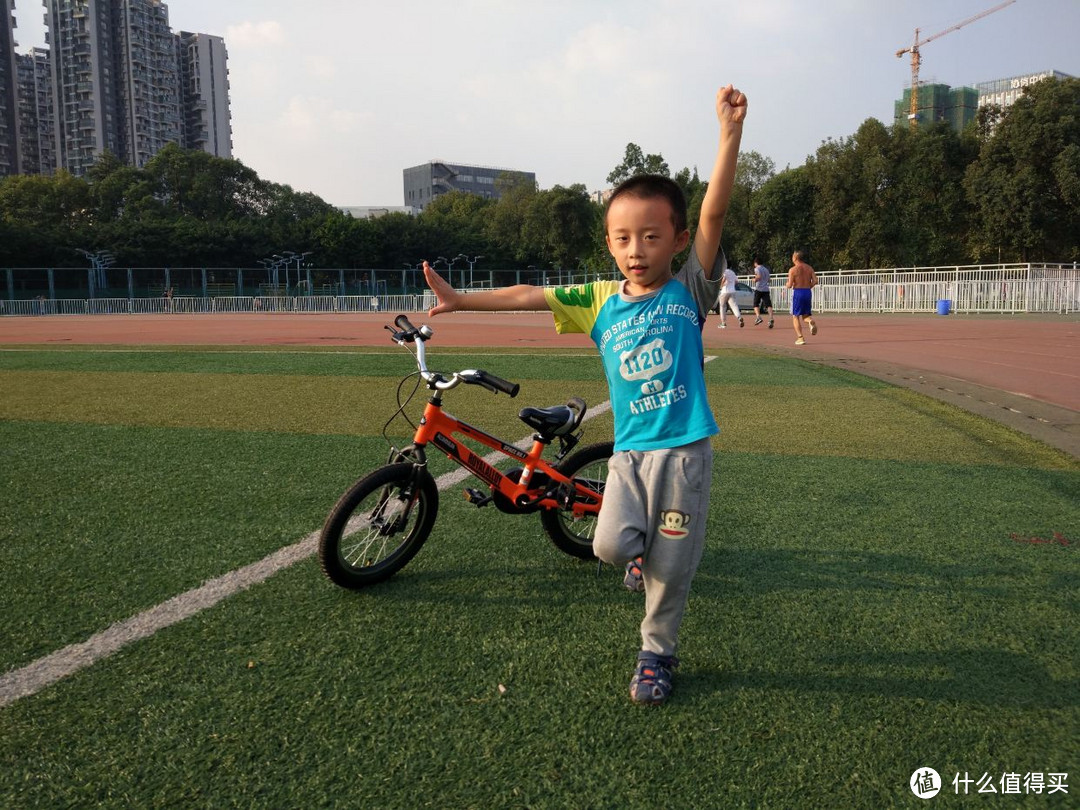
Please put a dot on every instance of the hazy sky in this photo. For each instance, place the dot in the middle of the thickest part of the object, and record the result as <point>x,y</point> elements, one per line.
<point>338,96</point>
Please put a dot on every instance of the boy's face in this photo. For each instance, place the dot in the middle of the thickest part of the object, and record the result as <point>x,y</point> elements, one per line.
<point>641,237</point>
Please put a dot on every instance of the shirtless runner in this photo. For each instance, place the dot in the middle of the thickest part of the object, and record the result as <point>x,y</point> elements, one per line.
<point>801,279</point>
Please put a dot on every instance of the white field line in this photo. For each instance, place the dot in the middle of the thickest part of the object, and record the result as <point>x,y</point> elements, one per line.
<point>195,349</point>
<point>32,678</point>
<point>45,671</point>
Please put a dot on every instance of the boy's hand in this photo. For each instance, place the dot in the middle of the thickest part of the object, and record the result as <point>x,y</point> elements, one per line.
<point>447,295</point>
<point>730,105</point>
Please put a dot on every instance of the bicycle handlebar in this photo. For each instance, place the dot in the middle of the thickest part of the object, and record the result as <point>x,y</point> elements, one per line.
<point>407,333</point>
<point>493,383</point>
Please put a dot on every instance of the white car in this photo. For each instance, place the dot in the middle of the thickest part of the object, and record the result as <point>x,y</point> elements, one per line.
<point>744,297</point>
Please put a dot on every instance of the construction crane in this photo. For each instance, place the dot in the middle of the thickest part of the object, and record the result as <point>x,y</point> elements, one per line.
<point>913,116</point>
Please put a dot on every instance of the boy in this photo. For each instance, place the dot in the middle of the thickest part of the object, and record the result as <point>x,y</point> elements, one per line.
<point>648,330</point>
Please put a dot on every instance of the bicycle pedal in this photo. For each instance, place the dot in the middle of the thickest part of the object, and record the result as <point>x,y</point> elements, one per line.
<point>476,497</point>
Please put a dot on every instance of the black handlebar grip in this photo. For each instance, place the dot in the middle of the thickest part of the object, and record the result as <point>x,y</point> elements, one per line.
<point>402,323</point>
<point>499,383</point>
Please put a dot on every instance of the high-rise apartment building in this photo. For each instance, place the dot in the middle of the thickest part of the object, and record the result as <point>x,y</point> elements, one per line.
<point>85,86</point>
<point>204,87</point>
<point>9,81</point>
<point>116,78</point>
<point>149,80</point>
<point>37,136</point>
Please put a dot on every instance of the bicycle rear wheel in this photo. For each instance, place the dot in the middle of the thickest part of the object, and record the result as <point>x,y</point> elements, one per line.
<point>378,525</point>
<point>587,467</point>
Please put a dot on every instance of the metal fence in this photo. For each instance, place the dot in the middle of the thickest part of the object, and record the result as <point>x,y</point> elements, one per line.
<point>1036,288</point>
<point>198,305</point>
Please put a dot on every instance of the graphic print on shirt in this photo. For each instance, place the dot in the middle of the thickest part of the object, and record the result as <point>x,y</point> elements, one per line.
<point>652,354</point>
<point>643,353</point>
<point>673,524</point>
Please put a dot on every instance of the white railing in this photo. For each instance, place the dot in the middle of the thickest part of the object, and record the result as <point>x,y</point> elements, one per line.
<point>999,289</point>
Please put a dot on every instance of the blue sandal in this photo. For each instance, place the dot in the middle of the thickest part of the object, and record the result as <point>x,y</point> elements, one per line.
<point>633,580</point>
<point>651,683</point>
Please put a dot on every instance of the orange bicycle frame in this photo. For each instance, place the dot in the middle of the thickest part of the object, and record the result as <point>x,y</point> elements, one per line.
<point>438,428</point>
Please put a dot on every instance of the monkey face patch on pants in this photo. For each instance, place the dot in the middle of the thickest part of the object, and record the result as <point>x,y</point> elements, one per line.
<point>674,524</point>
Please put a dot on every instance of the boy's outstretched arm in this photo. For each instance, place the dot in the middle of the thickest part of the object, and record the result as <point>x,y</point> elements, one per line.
<point>730,111</point>
<point>516,298</point>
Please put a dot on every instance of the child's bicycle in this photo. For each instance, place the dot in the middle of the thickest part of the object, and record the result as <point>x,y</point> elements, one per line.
<point>380,523</point>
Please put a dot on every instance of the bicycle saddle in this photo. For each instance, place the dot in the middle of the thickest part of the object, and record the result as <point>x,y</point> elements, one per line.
<point>555,421</point>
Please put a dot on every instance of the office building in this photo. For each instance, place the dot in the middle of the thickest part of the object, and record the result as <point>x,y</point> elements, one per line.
<point>427,181</point>
<point>1003,92</point>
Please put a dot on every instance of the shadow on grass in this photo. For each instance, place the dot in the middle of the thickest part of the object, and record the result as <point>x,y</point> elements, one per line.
<point>757,571</point>
<point>846,658</point>
<point>836,591</point>
<point>524,586</point>
<point>987,677</point>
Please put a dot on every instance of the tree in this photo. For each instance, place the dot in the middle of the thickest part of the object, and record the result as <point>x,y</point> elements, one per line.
<point>560,227</point>
<point>505,226</point>
<point>932,213</point>
<point>751,173</point>
<point>1025,184</point>
<point>783,216</point>
<point>458,218</point>
<point>635,162</point>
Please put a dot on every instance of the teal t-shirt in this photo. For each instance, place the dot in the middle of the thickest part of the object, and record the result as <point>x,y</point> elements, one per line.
<point>652,353</point>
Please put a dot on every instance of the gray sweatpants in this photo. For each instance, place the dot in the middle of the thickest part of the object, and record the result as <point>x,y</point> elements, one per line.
<point>655,506</point>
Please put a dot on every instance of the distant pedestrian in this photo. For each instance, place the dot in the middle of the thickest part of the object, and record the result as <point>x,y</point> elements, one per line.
<point>727,298</point>
<point>167,296</point>
<point>801,280</point>
<point>762,292</point>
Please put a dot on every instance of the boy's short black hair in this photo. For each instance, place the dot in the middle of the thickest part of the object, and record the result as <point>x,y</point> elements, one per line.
<point>650,186</point>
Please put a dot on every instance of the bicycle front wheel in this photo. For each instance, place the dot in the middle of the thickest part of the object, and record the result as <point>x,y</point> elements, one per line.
<point>378,525</point>
<point>587,467</point>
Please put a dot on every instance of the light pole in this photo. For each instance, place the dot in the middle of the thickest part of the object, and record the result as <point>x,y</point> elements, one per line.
<point>450,268</point>
<point>268,265</point>
<point>98,263</point>
<point>285,259</point>
<point>416,269</point>
<point>471,262</point>
<point>299,258</point>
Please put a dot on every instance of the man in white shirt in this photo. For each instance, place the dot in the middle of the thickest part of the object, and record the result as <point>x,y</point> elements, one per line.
<point>727,298</point>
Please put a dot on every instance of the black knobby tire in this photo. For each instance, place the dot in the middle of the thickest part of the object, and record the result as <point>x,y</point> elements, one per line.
<point>575,536</point>
<point>378,525</point>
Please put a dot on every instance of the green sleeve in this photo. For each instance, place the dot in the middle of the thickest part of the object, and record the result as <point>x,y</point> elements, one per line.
<point>576,308</point>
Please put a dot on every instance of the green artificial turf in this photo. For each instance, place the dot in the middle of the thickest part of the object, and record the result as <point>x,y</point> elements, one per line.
<point>882,590</point>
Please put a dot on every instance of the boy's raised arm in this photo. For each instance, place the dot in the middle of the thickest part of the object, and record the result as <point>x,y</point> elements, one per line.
<point>517,298</point>
<point>730,112</point>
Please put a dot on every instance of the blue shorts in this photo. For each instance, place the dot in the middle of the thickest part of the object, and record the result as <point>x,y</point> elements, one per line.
<point>800,302</point>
